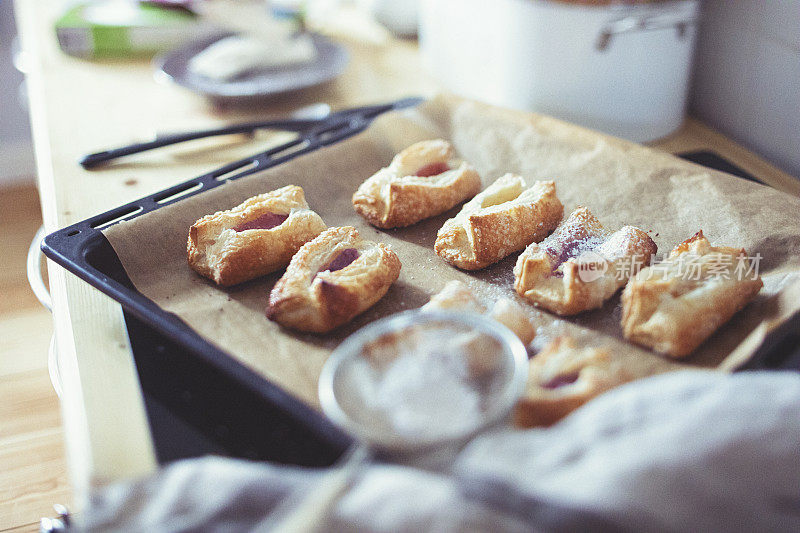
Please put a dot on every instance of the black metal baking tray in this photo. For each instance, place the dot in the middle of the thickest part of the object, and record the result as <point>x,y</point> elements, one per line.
<point>198,399</point>
<point>210,401</point>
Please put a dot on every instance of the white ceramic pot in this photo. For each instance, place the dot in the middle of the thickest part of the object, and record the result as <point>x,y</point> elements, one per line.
<point>621,69</point>
<point>399,16</point>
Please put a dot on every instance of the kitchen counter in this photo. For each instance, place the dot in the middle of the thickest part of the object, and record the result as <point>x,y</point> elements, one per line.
<point>79,106</point>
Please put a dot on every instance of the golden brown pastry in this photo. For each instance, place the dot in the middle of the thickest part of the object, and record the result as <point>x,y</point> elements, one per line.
<point>254,238</point>
<point>673,306</point>
<point>422,181</point>
<point>580,265</point>
<point>562,377</point>
<point>504,218</point>
<point>332,279</point>
<point>510,314</point>
<point>456,296</point>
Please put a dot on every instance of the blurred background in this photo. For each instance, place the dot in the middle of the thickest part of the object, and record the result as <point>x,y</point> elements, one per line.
<point>734,64</point>
<point>634,69</point>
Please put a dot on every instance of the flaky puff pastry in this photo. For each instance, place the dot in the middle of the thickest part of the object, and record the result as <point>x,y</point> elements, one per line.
<point>422,181</point>
<point>563,377</point>
<point>506,217</point>
<point>332,279</point>
<point>254,238</point>
<point>580,265</point>
<point>673,306</point>
<point>456,296</point>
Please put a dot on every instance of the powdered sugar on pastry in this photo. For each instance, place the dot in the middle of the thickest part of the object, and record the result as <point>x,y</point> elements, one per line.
<point>581,264</point>
<point>422,181</point>
<point>507,216</point>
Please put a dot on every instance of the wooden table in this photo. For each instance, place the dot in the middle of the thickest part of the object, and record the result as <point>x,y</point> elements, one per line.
<point>80,106</point>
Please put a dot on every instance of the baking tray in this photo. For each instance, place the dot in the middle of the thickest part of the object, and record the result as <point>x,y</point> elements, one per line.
<point>234,409</point>
<point>200,400</point>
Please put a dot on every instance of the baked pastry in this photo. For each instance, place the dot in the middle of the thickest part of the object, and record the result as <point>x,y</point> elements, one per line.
<point>331,279</point>
<point>422,181</point>
<point>254,238</point>
<point>673,306</point>
<point>481,350</point>
<point>580,265</point>
<point>510,314</point>
<point>562,377</point>
<point>456,296</point>
<point>504,218</point>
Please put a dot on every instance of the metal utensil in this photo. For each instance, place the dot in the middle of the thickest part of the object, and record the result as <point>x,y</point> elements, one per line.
<point>300,120</point>
<point>299,124</point>
<point>306,512</point>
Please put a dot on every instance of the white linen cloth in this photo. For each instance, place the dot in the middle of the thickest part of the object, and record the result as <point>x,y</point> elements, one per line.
<point>688,450</point>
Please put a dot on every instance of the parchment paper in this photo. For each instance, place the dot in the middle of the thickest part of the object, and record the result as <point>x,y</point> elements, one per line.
<point>621,182</point>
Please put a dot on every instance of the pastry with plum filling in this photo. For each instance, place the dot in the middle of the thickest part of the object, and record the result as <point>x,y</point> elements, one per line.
<point>673,306</point>
<point>506,217</point>
<point>581,264</point>
<point>422,181</point>
<point>331,279</point>
<point>563,377</point>
<point>254,238</point>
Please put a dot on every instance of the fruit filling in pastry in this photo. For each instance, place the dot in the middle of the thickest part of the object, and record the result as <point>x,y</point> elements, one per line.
<point>424,180</point>
<point>673,306</point>
<point>345,257</point>
<point>504,218</point>
<point>331,279</point>
<point>265,221</point>
<point>561,380</point>
<point>563,376</point>
<point>581,264</point>
<point>254,238</point>
<point>432,169</point>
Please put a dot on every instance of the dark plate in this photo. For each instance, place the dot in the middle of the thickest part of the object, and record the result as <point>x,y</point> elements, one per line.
<point>331,60</point>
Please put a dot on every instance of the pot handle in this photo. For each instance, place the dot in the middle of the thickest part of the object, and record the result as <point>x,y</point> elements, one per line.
<point>637,23</point>
<point>39,287</point>
<point>34,270</point>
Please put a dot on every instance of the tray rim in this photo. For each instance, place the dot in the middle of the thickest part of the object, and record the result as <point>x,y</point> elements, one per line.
<point>71,246</point>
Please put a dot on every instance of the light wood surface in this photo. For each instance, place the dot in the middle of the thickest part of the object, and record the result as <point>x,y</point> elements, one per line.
<point>34,476</point>
<point>695,136</point>
<point>33,471</point>
<point>80,107</point>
